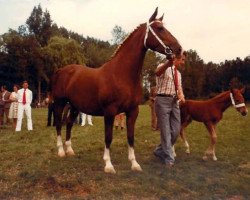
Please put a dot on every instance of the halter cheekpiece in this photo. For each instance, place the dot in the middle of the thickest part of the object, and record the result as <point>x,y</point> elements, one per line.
<point>233,102</point>
<point>168,50</point>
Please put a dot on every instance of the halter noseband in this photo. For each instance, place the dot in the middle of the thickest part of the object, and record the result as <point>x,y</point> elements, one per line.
<point>233,102</point>
<point>167,49</point>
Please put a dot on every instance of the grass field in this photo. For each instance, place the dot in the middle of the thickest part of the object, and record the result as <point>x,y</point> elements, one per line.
<point>31,169</point>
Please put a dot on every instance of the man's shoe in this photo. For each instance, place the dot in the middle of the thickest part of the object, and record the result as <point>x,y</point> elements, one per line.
<point>169,165</point>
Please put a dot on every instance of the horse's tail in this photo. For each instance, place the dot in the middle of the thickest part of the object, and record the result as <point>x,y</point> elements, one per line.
<point>51,86</point>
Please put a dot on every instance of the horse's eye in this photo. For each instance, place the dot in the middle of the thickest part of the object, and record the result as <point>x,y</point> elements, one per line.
<point>160,28</point>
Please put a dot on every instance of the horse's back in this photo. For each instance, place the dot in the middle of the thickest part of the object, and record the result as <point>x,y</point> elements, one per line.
<point>68,79</point>
<point>200,111</point>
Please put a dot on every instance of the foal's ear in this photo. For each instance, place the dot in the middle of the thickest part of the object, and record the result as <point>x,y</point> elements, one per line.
<point>152,18</point>
<point>242,90</point>
<point>161,18</point>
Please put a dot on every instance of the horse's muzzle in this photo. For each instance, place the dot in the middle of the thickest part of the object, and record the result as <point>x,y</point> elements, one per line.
<point>244,113</point>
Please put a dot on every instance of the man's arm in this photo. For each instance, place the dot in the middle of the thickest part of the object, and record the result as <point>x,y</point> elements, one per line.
<point>161,69</point>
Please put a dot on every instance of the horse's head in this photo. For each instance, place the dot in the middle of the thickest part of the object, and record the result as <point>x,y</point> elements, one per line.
<point>238,100</point>
<point>159,39</point>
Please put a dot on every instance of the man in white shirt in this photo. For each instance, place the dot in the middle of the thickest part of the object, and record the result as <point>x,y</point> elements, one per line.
<point>169,94</point>
<point>24,98</point>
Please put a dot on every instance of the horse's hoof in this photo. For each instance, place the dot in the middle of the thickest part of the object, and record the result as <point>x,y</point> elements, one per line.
<point>109,170</point>
<point>61,154</point>
<point>187,152</point>
<point>204,158</point>
<point>70,153</point>
<point>214,158</point>
<point>136,168</point>
<point>174,154</point>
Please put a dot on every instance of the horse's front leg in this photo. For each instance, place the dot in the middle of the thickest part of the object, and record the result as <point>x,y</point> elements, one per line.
<point>183,137</point>
<point>58,109</point>
<point>131,118</point>
<point>69,123</point>
<point>109,121</point>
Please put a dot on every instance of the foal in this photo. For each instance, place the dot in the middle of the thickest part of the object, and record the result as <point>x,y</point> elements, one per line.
<point>210,112</point>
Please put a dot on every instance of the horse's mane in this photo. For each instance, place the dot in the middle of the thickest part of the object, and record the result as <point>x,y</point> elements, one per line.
<point>219,97</point>
<point>124,41</point>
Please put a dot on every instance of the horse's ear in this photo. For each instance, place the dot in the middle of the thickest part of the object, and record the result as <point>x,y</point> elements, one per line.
<point>242,90</point>
<point>152,18</point>
<point>161,18</point>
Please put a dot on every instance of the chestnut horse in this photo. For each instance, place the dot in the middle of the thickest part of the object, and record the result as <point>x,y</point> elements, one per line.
<point>113,88</point>
<point>210,112</point>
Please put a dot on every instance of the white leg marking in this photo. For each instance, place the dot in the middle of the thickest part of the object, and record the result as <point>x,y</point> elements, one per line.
<point>187,147</point>
<point>173,149</point>
<point>61,152</point>
<point>69,150</point>
<point>131,156</point>
<point>214,156</point>
<point>109,168</point>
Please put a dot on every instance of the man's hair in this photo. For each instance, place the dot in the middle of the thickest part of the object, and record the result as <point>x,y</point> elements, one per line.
<point>25,81</point>
<point>17,86</point>
<point>184,53</point>
<point>4,87</point>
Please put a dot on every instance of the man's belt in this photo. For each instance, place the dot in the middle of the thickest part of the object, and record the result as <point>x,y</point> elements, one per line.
<point>165,95</point>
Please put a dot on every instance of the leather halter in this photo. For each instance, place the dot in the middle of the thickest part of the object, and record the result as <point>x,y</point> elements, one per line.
<point>167,49</point>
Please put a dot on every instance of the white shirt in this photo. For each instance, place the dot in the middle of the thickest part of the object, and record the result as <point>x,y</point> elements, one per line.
<point>29,96</point>
<point>165,82</point>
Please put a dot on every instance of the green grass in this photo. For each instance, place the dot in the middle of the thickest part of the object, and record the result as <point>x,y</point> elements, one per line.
<point>31,169</point>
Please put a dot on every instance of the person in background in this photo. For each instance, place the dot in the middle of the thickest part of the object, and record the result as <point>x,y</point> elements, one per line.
<point>51,113</point>
<point>169,95</point>
<point>24,98</point>
<point>120,121</point>
<point>152,96</point>
<point>7,102</point>
<point>83,118</point>
<point>1,109</point>
<point>14,105</point>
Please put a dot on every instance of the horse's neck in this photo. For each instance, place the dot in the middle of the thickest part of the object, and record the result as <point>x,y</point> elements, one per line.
<point>223,101</point>
<point>128,60</point>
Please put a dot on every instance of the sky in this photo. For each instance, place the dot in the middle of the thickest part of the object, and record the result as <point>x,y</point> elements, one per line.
<point>218,30</point>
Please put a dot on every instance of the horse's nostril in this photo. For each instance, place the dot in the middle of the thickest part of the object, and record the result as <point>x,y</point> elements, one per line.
<point>244,113</point>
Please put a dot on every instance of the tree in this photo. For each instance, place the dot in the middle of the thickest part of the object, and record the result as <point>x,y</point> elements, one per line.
<point>193,75</point>
<point>118,35</point>
<point>60,52</point>
<point>40,25</point>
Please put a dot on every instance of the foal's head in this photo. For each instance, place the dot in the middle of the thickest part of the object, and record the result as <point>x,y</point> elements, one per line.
<point>159,39</point>
<point>238,101</point>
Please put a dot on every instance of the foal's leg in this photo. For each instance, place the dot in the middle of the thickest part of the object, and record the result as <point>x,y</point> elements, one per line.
<point>183,137</point>
<point>58,109</point>
<point>211,149</point>
<point>109,121</point>
<point>72,116</point>
<point>131,118</point>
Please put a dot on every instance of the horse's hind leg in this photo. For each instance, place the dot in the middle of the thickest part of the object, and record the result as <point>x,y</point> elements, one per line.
<point>58,109</point>
<point>211,149</point>
<point>131,118</point>
<point>70,121</point>
<point>109,121</point>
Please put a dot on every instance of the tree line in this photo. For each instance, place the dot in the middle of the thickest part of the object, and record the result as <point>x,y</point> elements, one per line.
<point>38,48</point>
